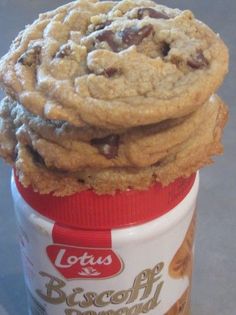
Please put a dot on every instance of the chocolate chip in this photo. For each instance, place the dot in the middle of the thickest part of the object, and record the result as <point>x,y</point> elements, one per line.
<point>110,72</point>
<point>165,48</point>
<point>107,146</point>
<point>64,52</point>
<point>156,164</point>
<point>130,36</point>
<point>36,156</point>
<point>133,36</point>
<point>102,25</point>
<point>31,56</point>
<point>198,62</point>
<point>152,14</point>
<point>14,154</point>
<point>109,37</point>
<point>81,181</point>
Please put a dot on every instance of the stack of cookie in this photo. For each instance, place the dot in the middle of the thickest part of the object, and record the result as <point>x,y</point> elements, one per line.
<point>111,96</point>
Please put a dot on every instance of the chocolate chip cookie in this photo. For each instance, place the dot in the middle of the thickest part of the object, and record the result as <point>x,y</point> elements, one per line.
<point>51,154</point>
<point>66,147</point>
<point>114,64</point>
<point>111,96</point>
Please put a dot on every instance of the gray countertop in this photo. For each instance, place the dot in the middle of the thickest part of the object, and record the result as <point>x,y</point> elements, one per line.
<point>214,286</point>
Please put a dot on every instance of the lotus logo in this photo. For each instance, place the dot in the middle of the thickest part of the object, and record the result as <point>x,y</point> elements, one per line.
<point>84,263</point>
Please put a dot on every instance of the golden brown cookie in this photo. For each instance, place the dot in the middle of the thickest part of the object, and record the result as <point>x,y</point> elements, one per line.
<point>114,64</point>
<point>68,148</point>
<point>111,96</point>
<point>183,145</point>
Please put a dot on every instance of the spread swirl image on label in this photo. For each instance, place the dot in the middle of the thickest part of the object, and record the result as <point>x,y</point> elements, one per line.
<point>182,263</point>
<point>181,307</point>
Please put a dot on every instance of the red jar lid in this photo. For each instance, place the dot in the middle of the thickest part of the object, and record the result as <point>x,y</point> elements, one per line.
<point>87,210</point>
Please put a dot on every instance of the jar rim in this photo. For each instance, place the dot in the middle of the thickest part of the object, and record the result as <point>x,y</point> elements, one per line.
<point>88,211</point>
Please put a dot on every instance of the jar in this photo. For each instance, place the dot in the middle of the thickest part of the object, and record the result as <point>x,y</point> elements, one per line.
<point>126,254</point>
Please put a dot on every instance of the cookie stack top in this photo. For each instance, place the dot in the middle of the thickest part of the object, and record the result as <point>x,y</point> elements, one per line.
<point>110,94</point>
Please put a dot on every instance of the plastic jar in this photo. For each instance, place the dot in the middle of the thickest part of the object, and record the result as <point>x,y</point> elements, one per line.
<point>126,254</point>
